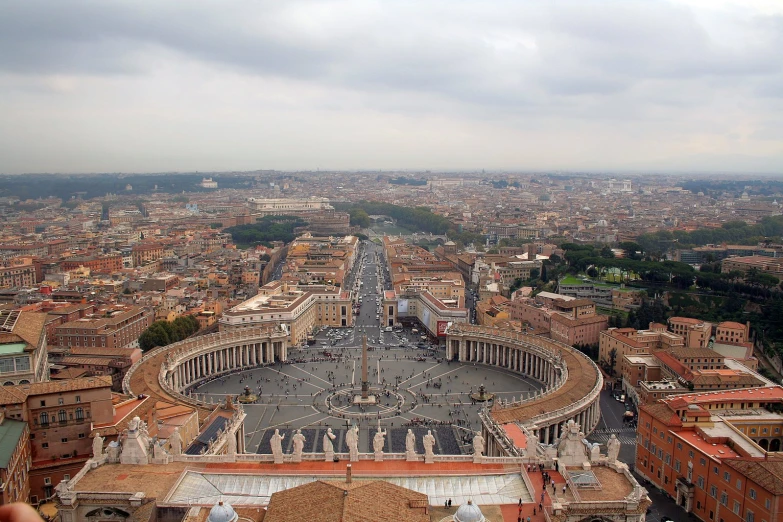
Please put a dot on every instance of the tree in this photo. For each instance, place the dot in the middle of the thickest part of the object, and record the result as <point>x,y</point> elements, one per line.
<point>592,272</point>
<point>612,360</point>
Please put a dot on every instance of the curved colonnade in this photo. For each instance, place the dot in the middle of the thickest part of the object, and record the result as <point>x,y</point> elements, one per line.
<point>169,371</point>
<point>573,382</point>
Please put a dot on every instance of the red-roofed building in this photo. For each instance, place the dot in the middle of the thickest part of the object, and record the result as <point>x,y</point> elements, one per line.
<point>716,453</point>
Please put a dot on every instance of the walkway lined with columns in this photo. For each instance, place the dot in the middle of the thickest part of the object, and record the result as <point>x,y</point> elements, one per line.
<point>573,381</point>
<point>194,368</point>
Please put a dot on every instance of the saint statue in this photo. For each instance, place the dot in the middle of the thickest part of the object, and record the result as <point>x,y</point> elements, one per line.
<point>410,442</point>
<point>352,440</point>
<point>328,438</point>
<point>277,444</point>
<point>378,441</point>
<point>478,444</point>
<point>175,441</point>
<point>299,440</point>
<point>429,444</point>
<point>97,446</point>
<point>613,448</point>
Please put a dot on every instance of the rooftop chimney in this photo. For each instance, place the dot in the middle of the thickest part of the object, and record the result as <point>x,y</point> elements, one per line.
<point>348,474</point>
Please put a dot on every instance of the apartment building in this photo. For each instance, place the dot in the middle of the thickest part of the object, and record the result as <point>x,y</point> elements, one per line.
<point>59,416</point>
<point>615,343</point>
<point>117,327</point>
<point>567,319</point>
<point>696,332</point>
<point>145,253</point>
<point>716,453</point>
<point>17,276</point>
<point>97,263</point>
<point>764,264</point>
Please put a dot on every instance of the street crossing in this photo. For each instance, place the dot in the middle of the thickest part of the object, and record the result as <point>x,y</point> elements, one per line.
<point>624,435</point>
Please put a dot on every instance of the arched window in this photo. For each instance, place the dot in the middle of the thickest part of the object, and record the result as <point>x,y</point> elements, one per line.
<point>62,416</point>
<point>79,414</point>
<point>44,418</point>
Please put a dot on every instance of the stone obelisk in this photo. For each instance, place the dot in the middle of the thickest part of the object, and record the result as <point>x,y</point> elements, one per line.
<point>364,398</point>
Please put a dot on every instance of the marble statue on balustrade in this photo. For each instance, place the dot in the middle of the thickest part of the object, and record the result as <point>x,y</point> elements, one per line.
<point>352,440</point>
<point>429,445</point>
<point>378,442</point>
<point>328,446</point>
<point>299,441</point>
<point>175,442</point>
<point>410,446</point>
<point>478,447</point>
<point>613,448</point>
<point>276,442</point>
<point>572,448</point>
<point>97,447</point>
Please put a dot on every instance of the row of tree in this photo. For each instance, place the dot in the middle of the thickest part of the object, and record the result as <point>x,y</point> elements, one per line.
<point>769,229</point>
<point>413,218</point>
<point>163,333</point>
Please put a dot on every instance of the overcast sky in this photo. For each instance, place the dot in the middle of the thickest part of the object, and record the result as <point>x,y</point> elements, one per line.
<point>146,86</point>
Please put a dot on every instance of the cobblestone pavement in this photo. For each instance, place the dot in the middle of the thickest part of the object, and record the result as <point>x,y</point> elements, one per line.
<point>289,394</point>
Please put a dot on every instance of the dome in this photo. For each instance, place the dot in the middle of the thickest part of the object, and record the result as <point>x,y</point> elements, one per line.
<point>222,512</point>
<point>602,223</point>
<point>469,512</point>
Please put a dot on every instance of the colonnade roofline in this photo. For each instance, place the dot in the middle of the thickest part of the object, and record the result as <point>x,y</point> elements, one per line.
<point>165,372</point>
<point>573,381</point>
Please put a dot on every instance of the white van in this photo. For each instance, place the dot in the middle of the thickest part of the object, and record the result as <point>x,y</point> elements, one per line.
<point>388,329</point>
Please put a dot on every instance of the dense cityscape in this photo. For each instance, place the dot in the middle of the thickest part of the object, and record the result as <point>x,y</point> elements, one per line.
<point>373,261</point>
<point>147,327</point>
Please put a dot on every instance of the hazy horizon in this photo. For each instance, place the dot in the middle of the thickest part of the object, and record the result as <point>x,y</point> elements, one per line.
<point>635,86</point>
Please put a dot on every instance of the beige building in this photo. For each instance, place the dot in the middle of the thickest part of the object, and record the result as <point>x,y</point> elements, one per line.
<point>615,343</point>
<point>298,309</point>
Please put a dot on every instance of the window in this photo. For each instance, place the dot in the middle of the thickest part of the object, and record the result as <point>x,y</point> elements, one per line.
<point>736,507</point>
<point>724,499</point>
<point>677,465</point>
<point>702,462</point>
<point>66,476</point>
<point>739,484</point>
<point>45,445</point>
<point>79,414</point>
<point>700,481</point>
<point>679,445</point>
<point>727,476</point>
<point>715,469</point>
<point>690,454</point>
<point>752,493</point>
<point>64,440</point>
<point>81,435</point>
<point>44,418</point>
<point>48,481</point>
<point>78,398</point>
<point>768,504</point>
<point>43,403</point>
<point>60,401</point>
<point>749,516</point>
<point>62,416</point>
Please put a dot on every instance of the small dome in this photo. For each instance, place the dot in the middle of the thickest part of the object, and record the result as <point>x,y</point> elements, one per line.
<point>602,223</point>
<point>222,512</point>
<point>449,243</point>
<point>469,512</point>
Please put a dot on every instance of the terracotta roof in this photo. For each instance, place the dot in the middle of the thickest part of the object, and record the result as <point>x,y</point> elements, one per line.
<point>338,501</point>
<point>662,412</point>
<point>766,473</point>
<point>18,394</point>
<point>30,327</point>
